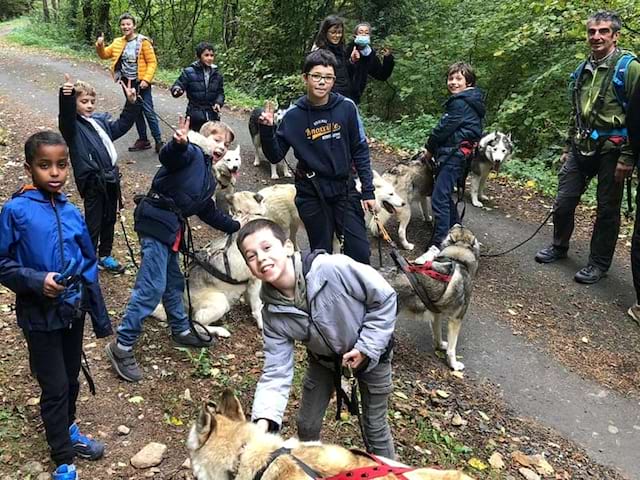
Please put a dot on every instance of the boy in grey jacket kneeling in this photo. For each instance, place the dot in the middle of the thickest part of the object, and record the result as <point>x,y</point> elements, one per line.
<point>345,314</point>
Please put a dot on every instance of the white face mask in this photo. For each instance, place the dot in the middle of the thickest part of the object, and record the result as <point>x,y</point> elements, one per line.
<point>362,40</point>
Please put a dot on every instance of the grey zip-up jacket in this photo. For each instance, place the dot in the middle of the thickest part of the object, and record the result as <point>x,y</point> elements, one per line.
<point>353,307</point>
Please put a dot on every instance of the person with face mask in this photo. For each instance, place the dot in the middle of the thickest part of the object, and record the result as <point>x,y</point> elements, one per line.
<point>367,60</point>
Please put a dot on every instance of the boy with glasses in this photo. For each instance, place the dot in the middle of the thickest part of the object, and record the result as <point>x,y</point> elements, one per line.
<point>326,134</point>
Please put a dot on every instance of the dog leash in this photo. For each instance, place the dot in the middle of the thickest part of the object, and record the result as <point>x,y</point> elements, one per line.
<point>494,255</point>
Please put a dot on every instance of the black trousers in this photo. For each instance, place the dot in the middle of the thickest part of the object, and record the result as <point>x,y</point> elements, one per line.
<point>199,116</point>
<point>100,212</point>
<point>55,361</point>
<point>635,248</point>
<point>573,180</point>
<point>337,215</point>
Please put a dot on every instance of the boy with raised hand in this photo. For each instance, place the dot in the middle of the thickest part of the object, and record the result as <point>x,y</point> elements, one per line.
<point>345,314</point>
<point>327,137</point>
<point>183,186</point>
<point>204,86</point>
<point>48,260</point>
<point>133,59</point>
<point>90,137</point>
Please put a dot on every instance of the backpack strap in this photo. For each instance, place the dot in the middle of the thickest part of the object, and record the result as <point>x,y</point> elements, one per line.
<point>619,78</point>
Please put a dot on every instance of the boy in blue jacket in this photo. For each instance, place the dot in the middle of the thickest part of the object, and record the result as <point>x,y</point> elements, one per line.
<point>450,144</point>
<point>204,86</point>
<point>184,186</point>
<point>90,138</point>
<point>48,260</point>
<point>345,314</point>
<point>327,137</point>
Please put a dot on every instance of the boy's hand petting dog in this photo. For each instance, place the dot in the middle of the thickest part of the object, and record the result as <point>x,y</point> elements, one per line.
<point>353,359</point>
<point>180,136</point>
<point>129,92</point>
<point>67,86</point>
<point>51,288</point>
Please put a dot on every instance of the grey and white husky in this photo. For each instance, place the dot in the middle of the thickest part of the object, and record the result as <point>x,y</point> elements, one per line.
<point>494,150</point>
<point>254,130</point>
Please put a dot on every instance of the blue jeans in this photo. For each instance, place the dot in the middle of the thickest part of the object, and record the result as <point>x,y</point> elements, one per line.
<point>148,113</point>
<point>159,279</point>
<point>445,212</point>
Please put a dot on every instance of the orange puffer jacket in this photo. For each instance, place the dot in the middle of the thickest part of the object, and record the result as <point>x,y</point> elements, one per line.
<point>147,62</point>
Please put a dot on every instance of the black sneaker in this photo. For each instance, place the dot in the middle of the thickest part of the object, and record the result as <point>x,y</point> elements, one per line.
<point>550,254</point>
<point>123,362</point>
<point>589,275</point>
<point>191,340</point>
<point>159,145</point>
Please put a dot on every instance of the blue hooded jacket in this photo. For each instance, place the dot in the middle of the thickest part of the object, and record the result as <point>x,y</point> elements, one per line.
<point>327,139</point>
<point>462,120</point>
<point>42,233</point>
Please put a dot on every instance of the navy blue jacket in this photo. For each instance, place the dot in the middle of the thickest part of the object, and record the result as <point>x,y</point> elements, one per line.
<point>41,233</point>
<point>186,181</point>
<point>328,140</point>
<point>191,80</point>
<point>89,157</point>
<point>462,120</point>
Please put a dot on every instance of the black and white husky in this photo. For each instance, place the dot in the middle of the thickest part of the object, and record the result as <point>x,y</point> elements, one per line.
<point>254,130</point>
<point>494,149</point>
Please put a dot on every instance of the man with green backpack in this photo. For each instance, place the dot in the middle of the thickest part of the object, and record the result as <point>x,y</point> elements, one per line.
<point>597,145</point>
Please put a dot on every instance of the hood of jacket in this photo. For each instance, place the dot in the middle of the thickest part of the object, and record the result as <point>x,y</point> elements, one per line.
<point>474,97</point>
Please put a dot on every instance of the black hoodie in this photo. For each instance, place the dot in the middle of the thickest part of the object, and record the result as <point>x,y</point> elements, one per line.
<point>327,139</point>
<point>462,120</point>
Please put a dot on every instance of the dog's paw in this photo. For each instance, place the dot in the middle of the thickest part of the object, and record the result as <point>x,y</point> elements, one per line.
<point>443,345</point>
<point>408,246</point>
<point>477,203</point>
<point>256,163</point>
<point>275,176</point>
<point>219,331</point>
<point>484,198</point>
<point>456,365</point>
<point>287,173</point>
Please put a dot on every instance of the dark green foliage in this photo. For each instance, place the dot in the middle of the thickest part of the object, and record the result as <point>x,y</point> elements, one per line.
<point>14,8</point>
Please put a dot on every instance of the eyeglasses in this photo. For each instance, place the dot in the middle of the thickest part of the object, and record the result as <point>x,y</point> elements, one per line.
<point>316,77</point>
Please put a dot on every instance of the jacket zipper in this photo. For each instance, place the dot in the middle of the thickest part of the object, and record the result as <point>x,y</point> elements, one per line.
<point>59,224</point>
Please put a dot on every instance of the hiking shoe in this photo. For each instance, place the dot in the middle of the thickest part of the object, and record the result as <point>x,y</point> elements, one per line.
<point>634,313</point>
<point>85,447</point>
<point>427,256</point>
<point>159,145</point>
<point>589,275</point>
<point>550,254</point>
<point>191,340</point>
<point>65,472</point>
<point>140,145</point>
<point>123,362</point>
<point>110,264</point>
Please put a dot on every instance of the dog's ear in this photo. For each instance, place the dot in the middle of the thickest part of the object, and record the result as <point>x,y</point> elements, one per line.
<point>205,423</point>
<point>230,406</point>
<point>376,175</point>
<point>258,198</point>
<point>229,198</point>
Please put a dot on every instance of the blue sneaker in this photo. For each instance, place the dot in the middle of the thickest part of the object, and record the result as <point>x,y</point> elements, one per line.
<point>65,472</point>
<point>85,447</point>
<point>110,264</point>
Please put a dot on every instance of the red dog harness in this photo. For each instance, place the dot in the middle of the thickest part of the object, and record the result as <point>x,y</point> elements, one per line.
<point>427,269</point>
<point>375,471</point>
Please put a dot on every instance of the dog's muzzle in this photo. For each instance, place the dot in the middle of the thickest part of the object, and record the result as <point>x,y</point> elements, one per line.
<point>388,207</point>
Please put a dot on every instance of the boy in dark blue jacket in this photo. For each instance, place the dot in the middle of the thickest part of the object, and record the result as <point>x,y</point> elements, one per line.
<point>184,186</point>
<point>204,86</point>
<point>90,138</point>
<point>327,137</point>
<point>48,260</point>
<point>450,143</point>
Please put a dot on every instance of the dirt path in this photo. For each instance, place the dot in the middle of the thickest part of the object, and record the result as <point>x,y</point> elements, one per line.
<point>561,354</point>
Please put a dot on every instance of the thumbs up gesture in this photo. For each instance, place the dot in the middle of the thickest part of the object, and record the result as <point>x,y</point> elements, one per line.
<point>100,41</point>
<point>67,86</point>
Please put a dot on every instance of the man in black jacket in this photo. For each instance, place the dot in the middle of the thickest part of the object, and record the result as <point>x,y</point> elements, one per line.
<point>204,86</point>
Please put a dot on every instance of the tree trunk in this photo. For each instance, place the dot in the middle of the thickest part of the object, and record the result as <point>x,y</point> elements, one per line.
<point>88,20</point>
<point>102,17</point>
<point>54,8</point>
<point>45,11</point>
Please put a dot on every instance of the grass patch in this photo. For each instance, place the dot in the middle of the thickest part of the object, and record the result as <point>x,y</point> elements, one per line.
<point>11,422</point>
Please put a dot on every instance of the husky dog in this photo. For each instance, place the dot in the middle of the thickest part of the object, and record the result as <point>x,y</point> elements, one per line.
<point>222,444</point>
<point>254,130</point>
<point>494,149</point>
<point>412,181</point>
<point>276,203</point>
<point>458,260</point>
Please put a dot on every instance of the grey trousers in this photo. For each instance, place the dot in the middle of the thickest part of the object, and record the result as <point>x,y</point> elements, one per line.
<point>375,387</point>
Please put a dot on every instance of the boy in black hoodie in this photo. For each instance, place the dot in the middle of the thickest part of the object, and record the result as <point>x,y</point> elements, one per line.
<point>327,137</point>
<point>204,86</point>
<point>451,142</point>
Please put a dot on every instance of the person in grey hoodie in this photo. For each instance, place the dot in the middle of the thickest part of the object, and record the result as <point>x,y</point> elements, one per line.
<point>345,314</point>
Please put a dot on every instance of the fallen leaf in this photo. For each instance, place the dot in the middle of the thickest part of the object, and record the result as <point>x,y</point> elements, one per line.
<point>477,464</point>
<point>541,465</point>
<point>137,399</point>
<point>584,340</point>
<point>521,458</point>
<point>496,461</point>
<point>529,474</point>
<point>32,402</point>
<point>484,416</point>
<point>443,394</point>
<point>401,395</point>
<point>512,312</point>
<point>457,374</point>
<point>174,421</point>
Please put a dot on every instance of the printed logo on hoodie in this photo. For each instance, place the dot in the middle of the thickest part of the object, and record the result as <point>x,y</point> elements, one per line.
<point>324,131</point>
